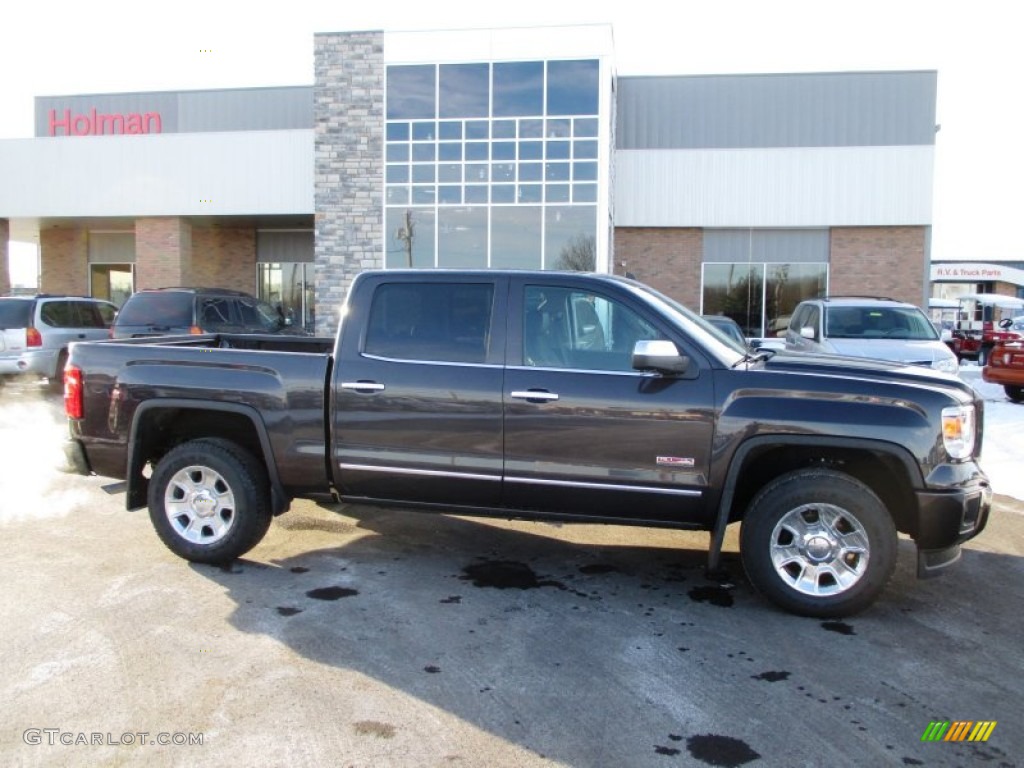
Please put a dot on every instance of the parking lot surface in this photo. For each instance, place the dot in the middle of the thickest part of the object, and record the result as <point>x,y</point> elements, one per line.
<point>356,636</point>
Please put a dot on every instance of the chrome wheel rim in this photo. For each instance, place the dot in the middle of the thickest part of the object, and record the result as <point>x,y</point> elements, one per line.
<point>199,504</point>
<point>820,549</point>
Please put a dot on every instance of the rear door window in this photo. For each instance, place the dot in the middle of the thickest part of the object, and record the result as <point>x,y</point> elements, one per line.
<point>441,322</point>
<point>85,314</point>
<point>58,314</point>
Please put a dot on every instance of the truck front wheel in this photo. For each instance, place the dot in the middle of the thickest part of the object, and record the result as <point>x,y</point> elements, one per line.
<point>818,543</point>
<point>209,501</point>
<point>1014,393</point>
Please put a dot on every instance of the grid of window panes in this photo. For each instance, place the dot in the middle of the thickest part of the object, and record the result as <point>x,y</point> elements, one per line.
<point>491,164</point>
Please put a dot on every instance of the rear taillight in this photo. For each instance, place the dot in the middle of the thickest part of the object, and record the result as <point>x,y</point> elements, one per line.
<point>73,392</point>
<point>33,338</point>
<point>195,330</point>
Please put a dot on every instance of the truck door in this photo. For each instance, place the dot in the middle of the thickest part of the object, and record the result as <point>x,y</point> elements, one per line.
<point>417,390</point>
<point>586,434</point>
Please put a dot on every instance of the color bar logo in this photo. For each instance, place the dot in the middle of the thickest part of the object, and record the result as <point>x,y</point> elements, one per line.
<point>958,730</point>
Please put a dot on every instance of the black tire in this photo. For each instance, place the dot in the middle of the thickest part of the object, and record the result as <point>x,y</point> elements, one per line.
<point>1014,393</point>
<point>983,354</point>
<point>56,382</point>
<point>232,492</point>
<point>848,549</point>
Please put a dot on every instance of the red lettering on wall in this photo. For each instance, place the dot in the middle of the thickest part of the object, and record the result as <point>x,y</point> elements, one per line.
<point>93,123</point>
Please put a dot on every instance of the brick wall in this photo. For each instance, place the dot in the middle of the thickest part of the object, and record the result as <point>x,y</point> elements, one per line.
<point>163,252</point>
<point>349,139</point>
<point>879,261</point>
<point>64,254</point>
<point>667,259</point>
<point>5,262</point>
<point>224,258</point>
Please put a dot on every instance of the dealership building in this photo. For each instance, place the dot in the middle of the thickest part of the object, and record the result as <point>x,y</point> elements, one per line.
<point>506,148</point>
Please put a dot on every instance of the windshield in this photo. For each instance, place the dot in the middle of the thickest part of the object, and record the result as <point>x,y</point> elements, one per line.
<point>724,349</point>
<point>907,323</point>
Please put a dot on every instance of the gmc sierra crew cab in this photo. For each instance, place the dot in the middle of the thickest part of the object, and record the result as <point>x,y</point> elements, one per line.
<point>542,395</point>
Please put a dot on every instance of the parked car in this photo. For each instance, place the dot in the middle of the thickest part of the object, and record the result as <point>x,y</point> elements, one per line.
<point>35,332</point>
<point>729,327</point>
<point>1006,366</point>
<point>174,311</point>
<point>878,328</point>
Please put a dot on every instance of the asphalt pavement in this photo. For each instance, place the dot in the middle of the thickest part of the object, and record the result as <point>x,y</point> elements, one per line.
<point>357,636</point>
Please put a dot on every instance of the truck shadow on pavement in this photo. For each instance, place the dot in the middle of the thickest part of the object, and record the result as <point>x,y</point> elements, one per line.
<point>623,653</point>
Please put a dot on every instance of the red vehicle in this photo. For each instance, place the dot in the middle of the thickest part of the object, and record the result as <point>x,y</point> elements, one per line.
<point>984,321</point>
<point>1006,367</point>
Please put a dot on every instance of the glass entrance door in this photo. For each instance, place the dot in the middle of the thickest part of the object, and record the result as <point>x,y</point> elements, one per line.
<point>113,282</point>
<point>284,285</point>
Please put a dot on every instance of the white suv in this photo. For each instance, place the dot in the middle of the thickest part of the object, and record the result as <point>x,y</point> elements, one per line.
<point>869,327</point>
<point>35,332</point>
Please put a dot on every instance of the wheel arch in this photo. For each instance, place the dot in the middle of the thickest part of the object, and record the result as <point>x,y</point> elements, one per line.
<point>160,425</point>
<point>887,469</point>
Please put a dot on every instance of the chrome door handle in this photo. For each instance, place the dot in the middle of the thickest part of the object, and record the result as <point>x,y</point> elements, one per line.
<point>362,386</point>
<point>536,395</point>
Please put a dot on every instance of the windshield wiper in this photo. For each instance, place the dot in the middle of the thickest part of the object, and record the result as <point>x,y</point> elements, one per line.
<point>756,356</point>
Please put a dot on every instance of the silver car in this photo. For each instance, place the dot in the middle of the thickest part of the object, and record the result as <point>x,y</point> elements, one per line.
<point>35,332</point>
<point>869,327</point>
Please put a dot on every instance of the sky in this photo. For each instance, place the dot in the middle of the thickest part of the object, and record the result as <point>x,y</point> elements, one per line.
<point>62,47</point>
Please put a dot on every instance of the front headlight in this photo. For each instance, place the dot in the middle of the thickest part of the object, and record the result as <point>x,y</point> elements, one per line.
<point>958,431</point>
<point>947,365</point>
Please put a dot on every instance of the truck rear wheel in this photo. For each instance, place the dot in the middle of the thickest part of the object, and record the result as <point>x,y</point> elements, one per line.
<point>209,501</point>
<point>818,543</point>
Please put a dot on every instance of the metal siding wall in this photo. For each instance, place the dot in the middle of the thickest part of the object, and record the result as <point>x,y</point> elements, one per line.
<point>841,186</point>
<point>111,247</point>
<point>793,110</point>
<point>288,246</point>
<point>789,246</point>
<point>197,174</point>
<point>246,110</point>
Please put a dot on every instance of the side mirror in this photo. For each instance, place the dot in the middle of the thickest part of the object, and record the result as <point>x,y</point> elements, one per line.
<point>807,333</point>
<point>659,356</point>
<point>1005,324</point>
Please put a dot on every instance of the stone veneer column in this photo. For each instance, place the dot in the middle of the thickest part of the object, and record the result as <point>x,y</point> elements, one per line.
<point>5,262</point>
<point>349,139</point>
<point>163,252</point>
<point>64,256</point>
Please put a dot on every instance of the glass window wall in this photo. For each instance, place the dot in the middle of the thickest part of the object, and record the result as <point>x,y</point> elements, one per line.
<point>491,164</point>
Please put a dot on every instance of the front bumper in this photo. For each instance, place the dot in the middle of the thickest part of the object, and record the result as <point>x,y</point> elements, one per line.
<point>945,520</point>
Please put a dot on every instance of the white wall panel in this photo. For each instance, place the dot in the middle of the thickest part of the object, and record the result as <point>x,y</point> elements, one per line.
<point>197,174</point>
<point>804,187</point>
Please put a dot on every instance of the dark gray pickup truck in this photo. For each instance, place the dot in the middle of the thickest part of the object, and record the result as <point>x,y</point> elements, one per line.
<point>542,395</point>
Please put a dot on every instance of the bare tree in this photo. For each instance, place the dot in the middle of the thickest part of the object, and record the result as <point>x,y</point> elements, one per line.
<point>406,234</point>
<point>579,254</point>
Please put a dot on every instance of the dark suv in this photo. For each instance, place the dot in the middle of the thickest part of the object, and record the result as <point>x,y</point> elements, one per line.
<point>171,311</point>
